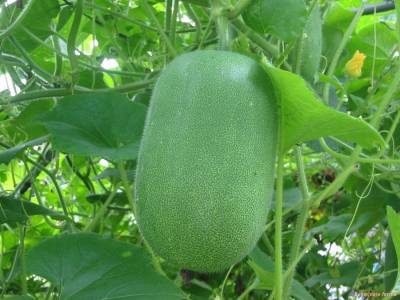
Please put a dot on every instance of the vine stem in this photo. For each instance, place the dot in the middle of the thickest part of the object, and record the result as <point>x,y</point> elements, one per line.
<point>161,31</point>
<point>39,70</point>
<point>127,187</point>
<point>172,26</point>
<point>224,282</point>
<point>339,181</point>
<point>278,289</point>
<point>24,286</point>
<point>247,291</point>
<point>300,222</point>
<point>18,257</point>
<point>61,92</point>
<point>394,86</point>
<point>239,7</point>
<point>167,25</point>
<point>101,212</point>
<point>58,190</point>
<point>9,30</point>
<point>256,38</point>
<point>195,18</point>
<point>393,128</point>
<point>72,37</point>
<point>339,51</point>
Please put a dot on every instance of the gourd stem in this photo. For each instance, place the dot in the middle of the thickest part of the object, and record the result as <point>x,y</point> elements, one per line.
<point>260,41</point>
<point>222,22</point>
<point>239,7</point>
<point>278,228</point>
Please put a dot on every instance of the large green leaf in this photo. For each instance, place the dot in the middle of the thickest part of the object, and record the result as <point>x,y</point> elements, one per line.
<point>394,226</point>
<point>87,266</point>
<point>15,210</point>
<point>97,124</point>
<point>285,19</point>
<point>305,117</point>
<point>263,266</point>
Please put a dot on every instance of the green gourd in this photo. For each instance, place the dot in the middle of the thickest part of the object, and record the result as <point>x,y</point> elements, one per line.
<point>205,169</point>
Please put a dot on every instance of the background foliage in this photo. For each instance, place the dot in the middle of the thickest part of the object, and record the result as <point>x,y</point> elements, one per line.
<point>75,83</point>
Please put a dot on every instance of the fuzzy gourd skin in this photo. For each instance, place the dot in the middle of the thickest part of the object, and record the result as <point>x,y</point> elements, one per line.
<point>206,162</point>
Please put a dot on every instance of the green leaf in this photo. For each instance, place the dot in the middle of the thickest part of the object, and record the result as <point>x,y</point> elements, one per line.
<point>119,198</point>
<point>38,20</point>
<point>305,117</point>
<point>338,16</point>
<point>345,274</point>
<point>311,45</point>
<point>114,174</point>
<point>284,19</point>
<point>16,211</point>
<point>87,266</point>
<point>335,227</point>
<point>263,266</point>
<point>394,226</point>
<point>336,21</point>
<point>377,47</point>
<point>97,124</point>
<point>9,154</point>
<point>390,264</point>
<point>26,125</point>
<point>368,210</point>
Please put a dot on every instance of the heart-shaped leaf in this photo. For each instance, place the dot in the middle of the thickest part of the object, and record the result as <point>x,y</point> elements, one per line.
<point>87,266</point>
<point>97,124</point>
<point>285,19</point>
<point>304,117</point>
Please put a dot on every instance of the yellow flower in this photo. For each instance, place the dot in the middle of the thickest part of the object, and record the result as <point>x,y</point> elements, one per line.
<point>355,64</point>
